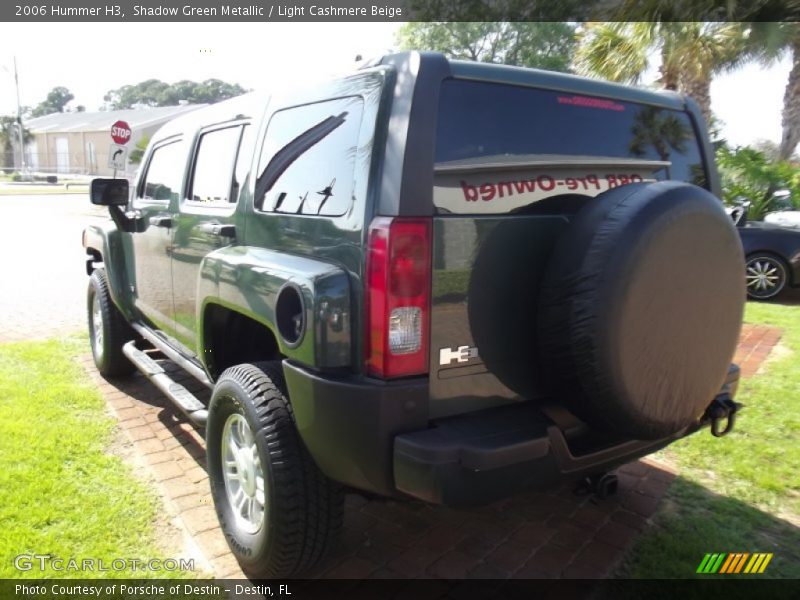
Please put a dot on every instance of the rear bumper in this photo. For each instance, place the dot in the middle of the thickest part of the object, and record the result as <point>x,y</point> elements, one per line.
<point>460,463</point>
<point>377,437</point>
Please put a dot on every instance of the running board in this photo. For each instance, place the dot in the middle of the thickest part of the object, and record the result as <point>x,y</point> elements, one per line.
<point>187,365</point>
<point>180,396</point>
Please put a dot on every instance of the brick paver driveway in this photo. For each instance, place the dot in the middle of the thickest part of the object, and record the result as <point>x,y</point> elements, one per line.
<point>555,534</point>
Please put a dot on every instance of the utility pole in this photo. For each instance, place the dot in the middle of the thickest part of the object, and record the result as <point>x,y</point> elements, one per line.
<point>22,164</point>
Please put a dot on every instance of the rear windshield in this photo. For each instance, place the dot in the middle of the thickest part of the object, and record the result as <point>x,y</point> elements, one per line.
<point>501,148</point>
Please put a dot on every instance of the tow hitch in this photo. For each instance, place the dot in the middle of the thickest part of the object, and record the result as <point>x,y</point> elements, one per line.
<point>722,411</point>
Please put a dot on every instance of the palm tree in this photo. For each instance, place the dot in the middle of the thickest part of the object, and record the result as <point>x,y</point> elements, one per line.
<point>768,43</point>
<point>691,53</point>
<point>614,51</point>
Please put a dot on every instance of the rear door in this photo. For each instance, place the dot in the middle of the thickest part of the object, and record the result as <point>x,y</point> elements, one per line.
<point>512,164</point>
<point>205,222</point>
<point>155,202</point>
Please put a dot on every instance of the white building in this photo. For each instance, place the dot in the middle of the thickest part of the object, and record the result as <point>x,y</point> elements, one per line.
<point>78,142</point>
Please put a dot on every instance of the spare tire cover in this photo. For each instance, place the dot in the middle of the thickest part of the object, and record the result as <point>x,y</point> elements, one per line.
<point>641,308</point>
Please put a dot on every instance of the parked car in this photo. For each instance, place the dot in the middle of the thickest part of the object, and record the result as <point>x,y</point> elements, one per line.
<point>786,214</point>
<point>431,279</point>
<point>772,259</point>
<point>784,218</point>
<point>772,254</point>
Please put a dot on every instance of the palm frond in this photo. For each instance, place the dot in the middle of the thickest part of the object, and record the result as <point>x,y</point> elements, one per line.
<point>614,51</point>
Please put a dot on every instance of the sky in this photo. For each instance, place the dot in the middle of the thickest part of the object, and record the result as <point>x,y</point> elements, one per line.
<point>92,58</point>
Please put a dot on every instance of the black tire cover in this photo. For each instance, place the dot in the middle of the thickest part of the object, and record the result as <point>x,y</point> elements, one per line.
<point>641,308</point>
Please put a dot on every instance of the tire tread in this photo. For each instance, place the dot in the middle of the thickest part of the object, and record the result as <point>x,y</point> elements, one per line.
<point>309,506</point>
<point>118,331</point>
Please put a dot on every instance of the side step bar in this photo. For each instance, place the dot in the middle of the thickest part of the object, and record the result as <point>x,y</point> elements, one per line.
<point>193,369</point>
<point>180,396</point>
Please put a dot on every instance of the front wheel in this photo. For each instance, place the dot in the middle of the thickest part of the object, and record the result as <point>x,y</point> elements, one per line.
<point>278,512</point>
<point>766,276</point>
<point>108,329</point>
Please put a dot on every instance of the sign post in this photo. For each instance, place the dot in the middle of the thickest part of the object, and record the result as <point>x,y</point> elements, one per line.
<point>118,153</point>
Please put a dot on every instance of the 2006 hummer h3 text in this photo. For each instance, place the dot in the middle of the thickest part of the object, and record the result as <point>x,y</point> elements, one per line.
<point>432,279</point>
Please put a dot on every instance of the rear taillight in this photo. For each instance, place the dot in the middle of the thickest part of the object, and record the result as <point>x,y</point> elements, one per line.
<point>398,285</point>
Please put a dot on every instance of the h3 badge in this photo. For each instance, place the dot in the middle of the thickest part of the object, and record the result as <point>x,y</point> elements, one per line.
<point>461,354</point>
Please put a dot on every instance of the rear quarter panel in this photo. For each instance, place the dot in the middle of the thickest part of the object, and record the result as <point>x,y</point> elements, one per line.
<point>336,241</point>
<point>247,280</point>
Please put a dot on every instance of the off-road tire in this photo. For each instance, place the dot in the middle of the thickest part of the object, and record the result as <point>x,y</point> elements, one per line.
<point>303,510</point>
<point>116,332</point>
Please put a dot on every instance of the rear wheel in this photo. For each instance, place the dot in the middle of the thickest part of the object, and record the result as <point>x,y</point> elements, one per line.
<point>766,276</point>
<point>278,512</point>
<point>108,329</point>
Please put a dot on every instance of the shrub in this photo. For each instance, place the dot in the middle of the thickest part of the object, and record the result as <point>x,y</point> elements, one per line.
<point>747,174</point>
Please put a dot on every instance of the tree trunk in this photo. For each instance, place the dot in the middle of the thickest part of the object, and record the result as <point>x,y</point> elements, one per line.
<point>670,76</point>
<point>790,118</point>
<point>699,90</point>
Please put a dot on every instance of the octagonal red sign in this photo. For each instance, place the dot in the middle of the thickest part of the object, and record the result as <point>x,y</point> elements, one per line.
<point>120,132</point>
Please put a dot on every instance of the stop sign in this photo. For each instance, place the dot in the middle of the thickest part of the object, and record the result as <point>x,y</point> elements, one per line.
<point>120,132</point>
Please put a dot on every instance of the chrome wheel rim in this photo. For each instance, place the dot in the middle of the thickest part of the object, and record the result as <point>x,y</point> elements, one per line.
<point>765,277</point>
<point>243,474</point>
<point>97,327</point>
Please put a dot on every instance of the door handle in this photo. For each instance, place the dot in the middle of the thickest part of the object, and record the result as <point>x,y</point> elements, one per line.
<point>219,229</point>
<point>161,221</point>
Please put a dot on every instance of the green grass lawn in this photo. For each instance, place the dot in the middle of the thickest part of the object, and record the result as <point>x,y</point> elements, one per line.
<point>740,493</point>
<point>61,493</point>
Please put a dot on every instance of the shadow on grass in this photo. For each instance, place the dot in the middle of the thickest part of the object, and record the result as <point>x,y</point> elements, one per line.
<point>694,521</point>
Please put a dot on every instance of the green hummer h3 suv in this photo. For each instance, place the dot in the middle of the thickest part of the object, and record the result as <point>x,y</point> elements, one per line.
<point>430,279</point>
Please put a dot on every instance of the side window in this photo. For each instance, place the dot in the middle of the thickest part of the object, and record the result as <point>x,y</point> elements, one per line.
<point>212,178</point>
<point>308,158</point>
<point>164,175</point>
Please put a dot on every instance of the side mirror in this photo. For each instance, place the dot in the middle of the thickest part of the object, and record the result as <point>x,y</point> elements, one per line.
<point>109,192</point>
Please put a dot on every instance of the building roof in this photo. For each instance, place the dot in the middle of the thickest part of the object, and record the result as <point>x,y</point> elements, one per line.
<point>103,120</point>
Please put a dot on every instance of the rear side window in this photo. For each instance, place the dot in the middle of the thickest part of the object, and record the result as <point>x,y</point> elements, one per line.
<point>212,181</point>
<point>501,148</point>
<point>164,175</point>
<point>308,158</point>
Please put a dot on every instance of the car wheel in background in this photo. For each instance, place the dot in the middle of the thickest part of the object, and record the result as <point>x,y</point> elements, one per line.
<point>766,276</point>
